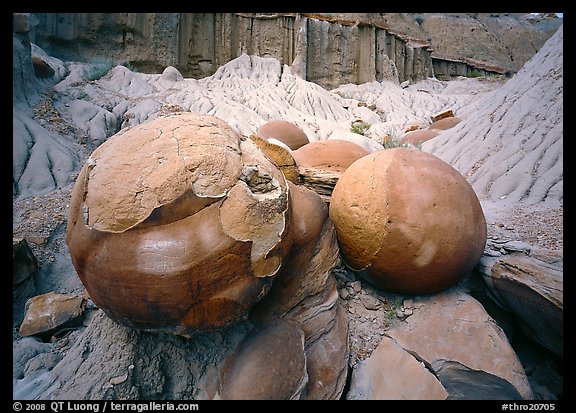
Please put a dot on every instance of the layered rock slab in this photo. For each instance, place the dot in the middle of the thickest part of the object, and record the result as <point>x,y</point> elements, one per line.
<point>458,328</point>
<point>391,373</point>
<point>531,287</point>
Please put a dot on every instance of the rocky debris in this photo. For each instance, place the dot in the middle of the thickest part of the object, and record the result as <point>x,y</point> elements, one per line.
<point>158,366</point>
<point>464,383</point>
<point>531,287</point>
<point>24,350</point>
<point>24,267</point>
<point>510,226</point>
<point>284,131</point>
<point>367,326</point>
<point>458,328</point>
<point>41,221</point>
<point>47,314</point>
<point>407,240</point>
<point>391,373</point>
<point>371,303</point>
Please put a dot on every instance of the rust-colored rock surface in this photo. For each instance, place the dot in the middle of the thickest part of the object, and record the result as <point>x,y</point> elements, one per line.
<point>304,292</point>
<point>270,364</point>
<point>280,156</point>
<point>41,68</point>
<point>329,154</point>
<point>50,312</point>
<point>454,326</point>
<point>419,136</point>
<point>445,123</point>
<point>178,225</point>
<point>321,163</point>
<point>391,373</point>
<point>285,132</point>
<point>409,219</point>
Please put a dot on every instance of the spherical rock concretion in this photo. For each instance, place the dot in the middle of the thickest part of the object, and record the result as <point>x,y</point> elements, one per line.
<point>178,225</point>
<point>445,123</point>
<point>329,154</point>
<point>419,136</point>
<point>410,221</point>
<point>285,132</point>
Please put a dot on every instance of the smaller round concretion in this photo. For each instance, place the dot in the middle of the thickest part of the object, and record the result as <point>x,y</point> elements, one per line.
<point>445,123</point>
<point>409,220</point>
<point>419,136</point>
<point>329,154</point>
<point>285,132</point>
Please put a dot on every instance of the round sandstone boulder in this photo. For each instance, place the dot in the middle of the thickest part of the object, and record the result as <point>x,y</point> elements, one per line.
<point>409,220</point>
<point>329,155</point>
<point>445,123</point>
<point>283,131</point>
<point>178,225</point>
<point>419,136</point>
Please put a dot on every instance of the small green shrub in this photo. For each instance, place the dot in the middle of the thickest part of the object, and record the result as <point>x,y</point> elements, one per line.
<point>360,127</point>
<point>475,73</point>
<point>392,139</point>
<point>98,69</point>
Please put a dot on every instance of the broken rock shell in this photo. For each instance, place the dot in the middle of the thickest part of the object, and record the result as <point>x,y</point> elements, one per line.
<point>178,225</point>
<point>283,131</point>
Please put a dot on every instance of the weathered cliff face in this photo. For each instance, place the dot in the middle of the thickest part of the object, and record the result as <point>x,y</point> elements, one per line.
<point>461,42</point>
<point>325,50</point>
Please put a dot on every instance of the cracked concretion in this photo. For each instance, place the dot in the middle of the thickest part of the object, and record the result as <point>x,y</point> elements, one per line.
<point>178,225</point>
<point>409,219</point>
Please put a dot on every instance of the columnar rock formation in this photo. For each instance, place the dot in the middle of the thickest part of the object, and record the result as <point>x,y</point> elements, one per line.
<point>323,50</point>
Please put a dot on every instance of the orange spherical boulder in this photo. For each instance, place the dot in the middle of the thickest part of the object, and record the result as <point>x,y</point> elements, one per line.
<point>178,225</point>
<point>410,221</point>
<point>419,136</point>
<point>445,123</point>
<point>329,154</point>
<point>284,131</point>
